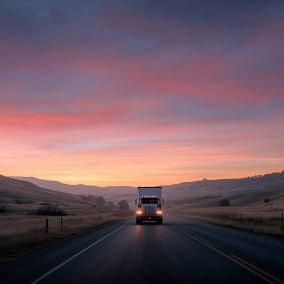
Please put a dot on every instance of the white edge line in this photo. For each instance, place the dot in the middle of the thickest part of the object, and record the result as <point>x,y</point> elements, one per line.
<point>257,271</point>
<point>77,254</point>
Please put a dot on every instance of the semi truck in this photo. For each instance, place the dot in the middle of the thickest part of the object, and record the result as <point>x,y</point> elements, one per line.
<point>149,204</point>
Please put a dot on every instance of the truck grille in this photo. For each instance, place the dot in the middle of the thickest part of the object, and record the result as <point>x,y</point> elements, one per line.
<point>149,210</point>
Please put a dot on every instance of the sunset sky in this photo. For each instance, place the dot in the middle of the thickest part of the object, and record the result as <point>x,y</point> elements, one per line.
<point>141,92</point>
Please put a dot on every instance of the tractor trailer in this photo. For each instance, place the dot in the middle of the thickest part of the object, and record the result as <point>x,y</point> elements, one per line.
<point>149,204</point>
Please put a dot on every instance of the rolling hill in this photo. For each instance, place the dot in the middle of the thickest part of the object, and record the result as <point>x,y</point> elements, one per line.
<point>205,193</point>
<point>18,191</point>
<point>110,192</point>
<point>241,192</point>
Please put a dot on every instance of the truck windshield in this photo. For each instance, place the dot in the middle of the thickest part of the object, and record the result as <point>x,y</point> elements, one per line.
<point>149,200</point>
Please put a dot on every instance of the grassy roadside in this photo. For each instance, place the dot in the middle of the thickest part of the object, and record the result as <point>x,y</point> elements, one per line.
<point>259,219</point>
<point>21,232</point>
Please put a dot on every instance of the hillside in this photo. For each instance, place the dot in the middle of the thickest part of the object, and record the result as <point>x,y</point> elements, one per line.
<point>110,192</point>
<point>18,191</point>
<point>65,188</point>
<point>241,192</point>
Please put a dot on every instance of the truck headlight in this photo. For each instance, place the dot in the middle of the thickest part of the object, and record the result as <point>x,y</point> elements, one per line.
<point>159,212</point>
<point>139,212</point>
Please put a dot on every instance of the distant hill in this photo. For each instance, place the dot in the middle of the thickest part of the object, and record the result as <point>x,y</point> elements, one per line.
<point>18,191</point>
<point>110,192</point>
<point>58,186</point>
<point>242,191</point>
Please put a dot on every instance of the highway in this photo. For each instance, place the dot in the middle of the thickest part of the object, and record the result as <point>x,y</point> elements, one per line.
<point>179,251</point>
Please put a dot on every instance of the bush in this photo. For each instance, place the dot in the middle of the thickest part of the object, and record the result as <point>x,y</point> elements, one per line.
<point>111,204</point>
<point>266,200</point>
<point>98,200</point>
<point>123,205</point>
<point>3,209</point>
<point>224,202</point>
<point>22,201</point>
<point>52,210</point>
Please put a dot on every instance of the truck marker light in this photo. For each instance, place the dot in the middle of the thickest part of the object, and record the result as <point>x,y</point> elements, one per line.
<point>139,212</point>
<point>159,212</point>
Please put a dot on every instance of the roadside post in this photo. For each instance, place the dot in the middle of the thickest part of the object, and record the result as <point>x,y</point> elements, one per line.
<point>46,225</point>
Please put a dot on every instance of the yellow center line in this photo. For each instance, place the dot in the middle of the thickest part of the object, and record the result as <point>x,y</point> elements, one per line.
<point>267,277</point>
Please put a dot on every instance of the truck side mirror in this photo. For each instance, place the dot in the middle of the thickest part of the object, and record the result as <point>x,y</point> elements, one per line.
<point>163,202</point>
<point>135,201</point>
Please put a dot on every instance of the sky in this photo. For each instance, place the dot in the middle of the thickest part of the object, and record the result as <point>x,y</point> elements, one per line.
<point>141,92</point>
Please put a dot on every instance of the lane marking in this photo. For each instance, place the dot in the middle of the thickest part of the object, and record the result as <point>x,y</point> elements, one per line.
<point>77,254</point>
<point>267,277</point>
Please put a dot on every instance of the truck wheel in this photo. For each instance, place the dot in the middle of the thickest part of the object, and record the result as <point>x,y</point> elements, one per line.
<point>138,222</point>
<point>160,222</point>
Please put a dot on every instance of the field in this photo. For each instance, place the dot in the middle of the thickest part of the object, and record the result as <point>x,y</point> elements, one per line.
<point>259,218</point>
<point>22,230</point>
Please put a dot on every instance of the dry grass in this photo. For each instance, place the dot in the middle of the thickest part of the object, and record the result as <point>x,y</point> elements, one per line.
<point>265,219</point>
<point>21,231</point>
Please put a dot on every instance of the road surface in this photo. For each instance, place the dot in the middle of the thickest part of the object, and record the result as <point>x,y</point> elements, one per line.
<point>179,251</point>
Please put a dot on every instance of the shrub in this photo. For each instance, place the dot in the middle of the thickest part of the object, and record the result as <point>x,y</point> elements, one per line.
<point>22,201</point>
<point>123,205</point>
<point>224,202</point>
<point>98,200</point>
<point>52,210</point>
<point>3,209</point>
<point>110,203</point>
<point>266,200</point>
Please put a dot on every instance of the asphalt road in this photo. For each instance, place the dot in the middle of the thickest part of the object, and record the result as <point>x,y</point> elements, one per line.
<point>179,251</point>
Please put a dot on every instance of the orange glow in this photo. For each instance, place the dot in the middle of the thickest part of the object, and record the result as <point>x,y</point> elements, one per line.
<point>135,99</point>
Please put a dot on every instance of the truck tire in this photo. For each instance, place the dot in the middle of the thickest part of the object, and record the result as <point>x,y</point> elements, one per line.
<point>138,222</point>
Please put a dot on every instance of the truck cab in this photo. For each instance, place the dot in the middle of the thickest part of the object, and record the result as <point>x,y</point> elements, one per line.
<point>149,204</point>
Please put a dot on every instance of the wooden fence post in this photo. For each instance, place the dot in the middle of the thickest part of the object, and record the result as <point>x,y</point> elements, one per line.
<point>61,224</point>
<point>46,225</point>
<point>100,216</point>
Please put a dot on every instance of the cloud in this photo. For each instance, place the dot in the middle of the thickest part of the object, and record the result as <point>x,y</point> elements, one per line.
<point>151,86</point>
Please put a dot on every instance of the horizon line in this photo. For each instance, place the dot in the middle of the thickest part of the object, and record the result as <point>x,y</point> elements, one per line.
<point>161,185</point>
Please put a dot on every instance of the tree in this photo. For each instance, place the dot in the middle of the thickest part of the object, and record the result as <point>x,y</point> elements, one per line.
<point>100,200</point>
<point>50,209</point>
<point>110,203</point>
<point>224,202</point>
<point>3,209</point>
<point>123,205</point>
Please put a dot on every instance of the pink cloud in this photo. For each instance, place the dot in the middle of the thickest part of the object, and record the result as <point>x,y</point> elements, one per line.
<point>205,77</point>
<point>133,114</point>
<point>104,115</point>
